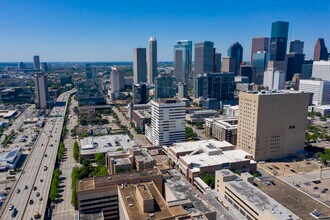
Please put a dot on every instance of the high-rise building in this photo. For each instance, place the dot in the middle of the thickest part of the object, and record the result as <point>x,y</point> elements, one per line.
<point>117,81</point>
<point>36,62</point>
<point>140,93</point>
<point>294,63</point>
<point>236,51</point>
<point>296,46</point>
<point>320,50</point>
<point>321,70</point>
<point>259,44</point>
<point>167,122</point>
<point>152,60</point>
<point>319,88</point>
<point>89,71</point>
<point>215,85</point>
<point>182,60</point>
<point>272,124</point>
<point>165,86</point>
<point>274,79</point>
<point>307,69</point>
<point>139,65</point>
<point>41,87</point>
<point>44,67</point>
<point>203,57</point>
<point>20,66</point>
<point>259,62</point>
<point>279,40</point>
<point>182,90</point>
<point>216,62</point>
<point>246,70</point>
<point>228,65</point>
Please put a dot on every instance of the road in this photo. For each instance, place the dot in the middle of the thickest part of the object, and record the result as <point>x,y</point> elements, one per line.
<point>33,174</point>
<point>64,210</point>
<point>199,132</point>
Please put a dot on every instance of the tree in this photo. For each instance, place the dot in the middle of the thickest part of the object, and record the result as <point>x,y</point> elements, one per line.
<point>75,151</point>
<point>85,162</point>
<point>84,135</point>
<point>322,118</point>
<point>100,159</point>
<point>209,180</point>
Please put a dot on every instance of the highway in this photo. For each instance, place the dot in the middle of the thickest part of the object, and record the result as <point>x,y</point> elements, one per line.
<point>33,174</point>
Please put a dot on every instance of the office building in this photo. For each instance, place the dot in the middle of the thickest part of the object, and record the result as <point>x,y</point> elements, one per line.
<point>89,93</point>
<point>320,50</point>
<point>66,79</point>
<point>152,60</point>
<point>117,81</point>
<point>296,46</point>
<point>89,72</point>
<point>259,44</point>
<point>319,88</point>
<point>236,51</point>
<point>140,93</point>
<point>246,71</point>
<point>182,60</point>
<point>165,86</point>
<point>167,122</point>
<point>203,57</point>
<point>307,69</point>
<point>279,40</point>
<point>20,66</point>
<point>44,67</point>
<point>321,70</point>
<point>259,62</point>
<point>222,129</point>
<point>220,86</point>
<point>228,65</point>
<point>216,62</point>
<point>41,87</point>
<point>139,65</point>
<point>274,79</point>
<point>18,95</point>
<point>294,63</point>
<point>140,118</point>
<point>182,90</point>
<point>36,62</point>
<point>200,116</point>
<point>250,201</point>
<point>272,124</point>
<point>10,159</point>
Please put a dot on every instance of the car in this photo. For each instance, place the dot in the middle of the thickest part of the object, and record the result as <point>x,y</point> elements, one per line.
<point>11,206</point>
<point>35,188</point>
<point>51,145</point>
<point>307,184</point>
<point>41,180</point>
<point>25,187</point>
<point>14,213</point>
<point>267,183</point>
<point>292,170</point>
<point>18,191</point>
<point>31,202</point>
<point>8,188</point>
<point>38,194</point>
<point>46,155</point>
<point>316,181</point>
<point>297,185</point>
<point>40,199</point>
<point>45,168</point>
<point>316,188</point>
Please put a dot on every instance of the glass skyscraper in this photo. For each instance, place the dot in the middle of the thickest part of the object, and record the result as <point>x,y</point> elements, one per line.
<point>259,62</point>
<point>165,86</point>
<point>182,60</point>
<point>236,51</point>
<point>279,40</point>
<point>204,57</point>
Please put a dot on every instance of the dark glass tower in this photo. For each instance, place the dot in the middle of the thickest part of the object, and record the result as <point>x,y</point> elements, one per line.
<point>297,46</point>
<point>320,50</point>
<point>279,40</point>
<point>236,51</point>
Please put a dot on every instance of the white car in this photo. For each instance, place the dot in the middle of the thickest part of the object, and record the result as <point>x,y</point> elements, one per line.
<point>11,207</point>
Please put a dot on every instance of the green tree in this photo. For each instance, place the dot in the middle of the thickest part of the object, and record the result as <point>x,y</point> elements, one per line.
<point>209,180</point>
<point>85,162</point>
<point>84,135</point>
<point>76,151</point>
<point>100,159</point>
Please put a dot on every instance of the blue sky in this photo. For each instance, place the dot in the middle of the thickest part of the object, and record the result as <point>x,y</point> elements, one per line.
<point>107,30</point>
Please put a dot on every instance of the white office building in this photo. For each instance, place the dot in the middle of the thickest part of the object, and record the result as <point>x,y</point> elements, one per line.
<point>321,70</point>
<point>117,81</point>
<point>319,88</point>
<point>167,122</point>
<point>274,79</point>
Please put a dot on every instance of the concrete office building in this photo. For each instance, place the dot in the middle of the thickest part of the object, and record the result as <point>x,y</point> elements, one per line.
<point>228,65</point>
<point>236,51</point>
<point>165,86</point>
<point>182,90</point>
<point>42,96</point>
<point>222,129</point>
<point>321,70</point>
<point>248,199</point>
<point>216,62</point>
<point>167,122</point>
<point>182,60</point>
<point>274,79</point>
<point>259,62</point>
<point>279,40</point>
<point>319,88</point>
<point>140,118</point>
<point>296,46</point>
<point>278,136</point>
<point>117,81</point>
<point>152,60</point>
<point>139,65</point>
<point>259,44</point>
<point>203,57</point>
<point>36,62</point>
<point>320,50</point>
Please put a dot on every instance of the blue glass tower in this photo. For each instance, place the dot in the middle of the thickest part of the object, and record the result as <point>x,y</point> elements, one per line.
<point>236,51</point>
<point>182,60</point>
<point>279,40</point>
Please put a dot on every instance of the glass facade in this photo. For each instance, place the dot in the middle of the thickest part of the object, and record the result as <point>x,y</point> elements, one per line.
<point>182,60</point>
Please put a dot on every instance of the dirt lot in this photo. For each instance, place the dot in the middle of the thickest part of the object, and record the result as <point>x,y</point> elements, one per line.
<point>289,168</point>
<point>293,199</point>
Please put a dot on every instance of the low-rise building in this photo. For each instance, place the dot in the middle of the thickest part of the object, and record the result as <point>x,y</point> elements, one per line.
<point>323,109</point>
<point>230,111</point>
<point>8,114</point>
<point>140,119</point>
<point>10,159</point>
<point>248,199</point>
<point>223,129</point>
<point>200,116</point>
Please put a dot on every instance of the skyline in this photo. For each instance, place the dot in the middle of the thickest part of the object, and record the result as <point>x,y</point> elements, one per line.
<point>83,31</point>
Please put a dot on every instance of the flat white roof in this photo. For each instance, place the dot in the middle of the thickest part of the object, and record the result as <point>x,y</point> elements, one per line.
<point>194,145</point>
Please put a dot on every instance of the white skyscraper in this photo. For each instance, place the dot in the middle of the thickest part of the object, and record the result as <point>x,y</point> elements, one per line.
<point>117,81</point>
<point>167,122</point>
<point>152,60</point>
<point>36,62</point>
<point>40,80</point>
<point>319,88</point>
<point>274,79</point>
<point>321,70</point>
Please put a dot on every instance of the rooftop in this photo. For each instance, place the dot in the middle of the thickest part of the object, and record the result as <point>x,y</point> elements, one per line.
<point>274,92</point>
<point>210,145</point>
<point>10,156</point>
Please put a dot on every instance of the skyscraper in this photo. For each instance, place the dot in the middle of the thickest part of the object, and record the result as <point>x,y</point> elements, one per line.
<point>246,70</point>
<point>117,81</point>
<point>259,44</point>
<point>274,79</point>
<point>236,51</point>
<point>294,63</point>
<point>44,67</point>
<point>20,66</point>
<point>165,86</point>
<point>152,60</point>
<point>203,57</point>
<point>320,50</point>
<point>228,65</point>
<point>279,40</point>
<point>182,90</point>
<point>139,65</point>
<point>36,62</point>
<point>140,93</point>
<point>182,60</point>
<point>89,71</point>
<point>41,86</point>
<point>296,46</point>
<point>259,62</point>
<point>216,62</point>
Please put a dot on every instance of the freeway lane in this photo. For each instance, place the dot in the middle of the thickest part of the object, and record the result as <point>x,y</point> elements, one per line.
<point>33,169</point>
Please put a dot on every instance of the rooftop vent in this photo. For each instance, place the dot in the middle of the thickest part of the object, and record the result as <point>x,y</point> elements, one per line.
<point>151,215</point>
<point>130,205</point>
